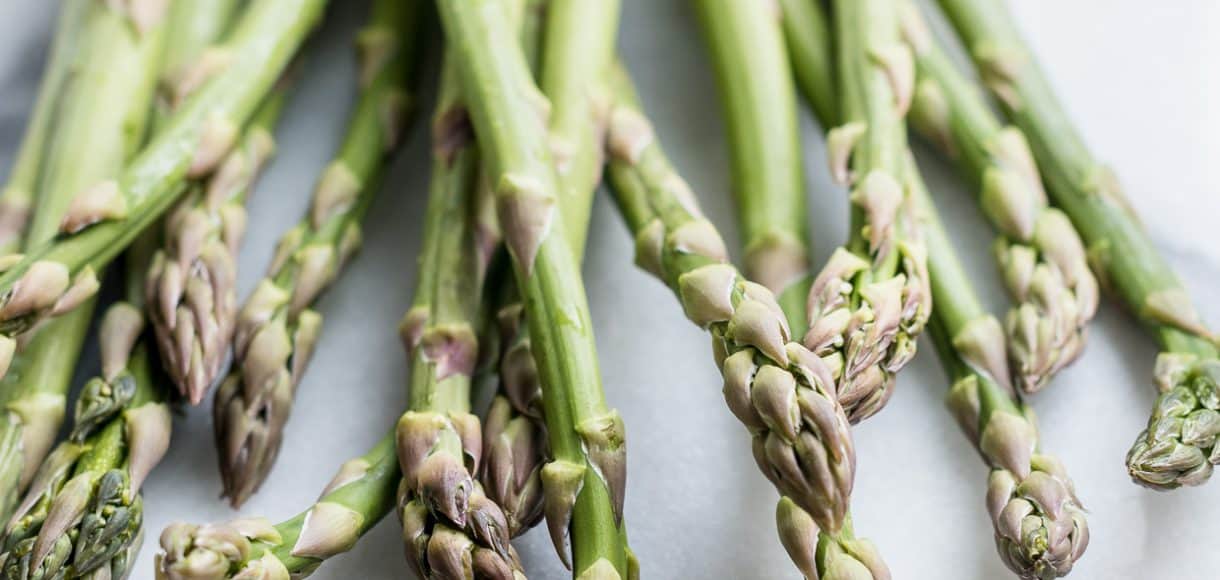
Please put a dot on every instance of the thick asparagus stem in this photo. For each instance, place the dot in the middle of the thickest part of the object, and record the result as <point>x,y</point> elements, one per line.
<point>55,277</point>
<point>870,302</point>
<point>193,26</point>
<point>1178,447</point>
<point>191,285</point>
<point>17,200</point>
<point>580,45</point>
<point>100,120</point>
<point>361,493</point>
<point>1040,526</point>
<point>276,328</point>
<point>1040,255</point>
<point>746,43</point>
<point>782,392</point>
<point>84,514</point>
<point>585,483</point>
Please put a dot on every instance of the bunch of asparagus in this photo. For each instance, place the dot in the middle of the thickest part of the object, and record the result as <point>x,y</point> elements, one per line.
<point>155,118</point>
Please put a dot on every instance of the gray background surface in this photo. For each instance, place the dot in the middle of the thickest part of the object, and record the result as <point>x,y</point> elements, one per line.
<point>1138,79</point>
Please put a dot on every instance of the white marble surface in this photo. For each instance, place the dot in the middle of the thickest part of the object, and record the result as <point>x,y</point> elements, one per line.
<point>1138,78</point>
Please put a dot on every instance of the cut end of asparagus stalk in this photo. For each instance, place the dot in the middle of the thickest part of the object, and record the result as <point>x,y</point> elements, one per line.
<point>1179,445</point>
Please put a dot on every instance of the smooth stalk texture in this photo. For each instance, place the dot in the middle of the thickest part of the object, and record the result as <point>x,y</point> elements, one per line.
<point>360,494</point>
<point>585,483</point>
<point>277,329</point>
<point>18,197</point>
<point>578,52</point>
<point>870,302</point>
<point>807,32</point>
<point>782,392</point>
<point>1040,255</point>
<point>1040,526</point>
<point>758,97</point>
<point>1178,447</point>
<point>83,515</point>
<point>55,277</point>
<point>99,123</point>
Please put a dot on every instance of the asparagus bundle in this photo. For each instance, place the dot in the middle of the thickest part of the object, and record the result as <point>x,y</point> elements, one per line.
<point>584,484</point>
<point>450,527</point>
<point>1040,254</point>
<point>114,72</point>
<point>361,493</point>
<point>580,41</point>
<point>276,329</point>
<point>1040,526</point>
<point>83,514</point>
<point>870,302</point>
<point>756,87</point>
<point>1178,447</point>
<point>781,391</point>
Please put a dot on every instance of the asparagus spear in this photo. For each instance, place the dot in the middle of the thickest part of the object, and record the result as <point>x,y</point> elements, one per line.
<point>276,328</point>
<point>361,493</point>
<point>83,515</point>
<point>1040,254</point>
<point>1040,526</point>
<point>100,119</point>
<point>17,200</point>
<point>194,26</point>
<point>807,34</point>
<point>782,392</point>
<point>451,528</point>
<point>1178,447</point>
<point>191,284</point>
<point>870,302</point>
<point>756,88</point>
<point>580,41</point>
<point>584,485</point>
<point>55,277</point>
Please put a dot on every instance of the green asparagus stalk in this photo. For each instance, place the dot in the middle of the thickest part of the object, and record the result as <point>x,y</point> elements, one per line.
<point>807,34</point>
<point>580,46</point>
<point>193,26</point>
<point>781,392</point>
<point>83,515</point>
<point>1040,526</point>
<point>276,329</point>
<point>746,43</point>
<point>361,493</point>
<point>1040,255</point>
<point>54,277</point>
<point>17,200</point>
<point>451,528</point>
<point>100,120</point>
<point>870,302</point>
<point>1178,447</point>
<point>191,285</point>
<point>585,483</point>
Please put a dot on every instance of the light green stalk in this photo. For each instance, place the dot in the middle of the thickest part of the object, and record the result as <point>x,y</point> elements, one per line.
<point>1040,526</point>
<point>758,97</point>
<point>17,200</point>
<point>1178,447</point>
<point>807,32</point>
<point>277,329</point>
<point>100,121</point>
<point>781,392</point>
<point>585,483</point>
<point>1040,255</point>
<point>55,277</point>
<point>361,493</point>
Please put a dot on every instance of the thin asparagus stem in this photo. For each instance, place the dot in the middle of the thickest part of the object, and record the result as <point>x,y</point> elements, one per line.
<point>781,391</point>
<point>807,33</point>
<point>1178,447</point>
<point>276,329</point>
<point>361,493</point>
<point>746,43</point>
<point>55,277</point>
<point>1040,255</point>
<point>18,197</point>
<point>100,121</point>
<point>584,485</point>
<point>1040,526</point>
